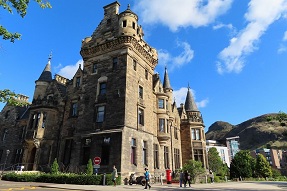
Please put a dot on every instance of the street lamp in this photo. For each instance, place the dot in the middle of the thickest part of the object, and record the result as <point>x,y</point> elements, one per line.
<point>7,153</point>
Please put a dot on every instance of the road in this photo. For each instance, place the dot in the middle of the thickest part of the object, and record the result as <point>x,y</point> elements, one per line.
<point>230,186</point>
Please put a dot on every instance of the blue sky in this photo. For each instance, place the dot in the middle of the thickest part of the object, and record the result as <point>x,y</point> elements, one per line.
<point>233,54</point>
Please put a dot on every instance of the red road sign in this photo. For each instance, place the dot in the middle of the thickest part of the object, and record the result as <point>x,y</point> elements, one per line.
<point>97,160</point>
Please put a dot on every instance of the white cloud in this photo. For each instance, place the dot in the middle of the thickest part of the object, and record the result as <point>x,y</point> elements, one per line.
<point>219,26</point>
<point>165,58</point>
<point>194,13</point>
<point>282,49</point>
<point>260,14</point>
<point>70,70</point>
<point>180,96</point>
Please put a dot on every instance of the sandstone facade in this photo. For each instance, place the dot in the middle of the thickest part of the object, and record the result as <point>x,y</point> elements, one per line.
<point>115,108</point>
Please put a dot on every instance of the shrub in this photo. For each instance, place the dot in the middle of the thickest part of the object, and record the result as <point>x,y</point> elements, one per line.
<point>55,167</point>
<point>90,169</point>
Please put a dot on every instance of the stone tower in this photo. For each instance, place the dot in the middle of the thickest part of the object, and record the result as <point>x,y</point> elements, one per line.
<point>192,132</point>
<point>117,108</point>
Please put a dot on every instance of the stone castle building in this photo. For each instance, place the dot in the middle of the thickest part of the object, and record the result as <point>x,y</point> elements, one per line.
<point>115,108</point>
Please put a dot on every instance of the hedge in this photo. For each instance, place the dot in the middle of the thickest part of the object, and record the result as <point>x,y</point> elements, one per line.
<point>61,178</point>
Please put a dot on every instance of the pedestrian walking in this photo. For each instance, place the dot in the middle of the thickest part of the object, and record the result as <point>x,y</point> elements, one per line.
<point>147,178</point>
<point>114,175</point>
<point>187,178</point>
<point>181,178</point>
<point>211,175</point>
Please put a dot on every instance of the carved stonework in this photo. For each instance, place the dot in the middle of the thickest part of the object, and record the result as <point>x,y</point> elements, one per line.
<point>148,54</point>
<point>37,143</point>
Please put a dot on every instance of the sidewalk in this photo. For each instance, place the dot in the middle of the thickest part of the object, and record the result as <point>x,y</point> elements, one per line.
<point>234,186</point>
<point>262,186</point>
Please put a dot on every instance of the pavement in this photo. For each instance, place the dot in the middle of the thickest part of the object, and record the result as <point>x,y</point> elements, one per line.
<point>234,186</point>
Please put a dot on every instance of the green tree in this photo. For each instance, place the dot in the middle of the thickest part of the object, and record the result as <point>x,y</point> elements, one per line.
<point>214,160</point>
<point>20,6</point>
<point>194,168</point>
<point>243,165</point>
<point>10,97</point>
<point>55,167</point>
<point>262,167</point>
<point>89,167</point>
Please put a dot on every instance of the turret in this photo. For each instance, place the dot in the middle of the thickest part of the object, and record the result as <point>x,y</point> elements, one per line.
<point>43,81</point>
<point>189,102</point>
<point>128,24</point>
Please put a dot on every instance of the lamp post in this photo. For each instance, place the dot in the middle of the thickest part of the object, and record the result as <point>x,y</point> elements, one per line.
<point>7,153</point>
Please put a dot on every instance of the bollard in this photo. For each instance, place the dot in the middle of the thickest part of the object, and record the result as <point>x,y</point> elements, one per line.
<point>104,179</point>
<point>225,178</point>
<point>206,179</point>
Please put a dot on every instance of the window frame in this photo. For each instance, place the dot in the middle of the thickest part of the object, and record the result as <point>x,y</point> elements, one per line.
<point>140,116</point>
<point>141,92</point>
<point>161,103</point>
<point>144,153</point>
<point>74,109</point>
<point>102,88</point>
<point>133,151</point>
<point>100,114</point>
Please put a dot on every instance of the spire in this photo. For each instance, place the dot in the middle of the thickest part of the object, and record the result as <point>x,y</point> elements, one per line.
<point>46,74</point>
<point>166,83</point>
<point>189,101</point>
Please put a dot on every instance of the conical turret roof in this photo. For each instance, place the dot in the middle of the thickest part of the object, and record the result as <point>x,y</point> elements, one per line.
<point>189,102</point>
<point>166,83</point>
<point>46,75</point>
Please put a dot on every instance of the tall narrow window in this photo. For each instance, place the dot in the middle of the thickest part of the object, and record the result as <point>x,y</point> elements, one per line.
<point>140,92</point>
<point>198,155</point>
<point>74,111</point>
<point>103,88</point>
<point>197,134</point>
<point>176,158</point>
<point>146,74</point>
<point>95,68</point>
<point>141,116</point>
<point>18,156</point>
<point>155,156</point>
<point>192,134</point>
<point>161,103</point>
<point>86,155</point>
<point>115,63</point>
<point>32,121</point>
<point>133,151</point>
<point>166,158</point>
<point>5,131</point>
<point>67,151</point>
<point>100,114</point>
<point>134,25</point>
<point>78,81</point>
<point>135,65</point>
<point>144,153</point>
<point>161,124</point>
<point>21,137</point>
<point>124,23</point>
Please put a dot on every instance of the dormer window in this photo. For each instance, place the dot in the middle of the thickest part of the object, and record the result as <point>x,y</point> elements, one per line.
<point>125,23</point>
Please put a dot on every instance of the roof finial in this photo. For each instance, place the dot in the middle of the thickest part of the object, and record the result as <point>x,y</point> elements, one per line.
<point>50,56</point>
<point>129,6</point>
<point>188,87</point>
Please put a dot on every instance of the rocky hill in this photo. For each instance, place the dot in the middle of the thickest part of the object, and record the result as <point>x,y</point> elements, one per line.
<point>254,133</point>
